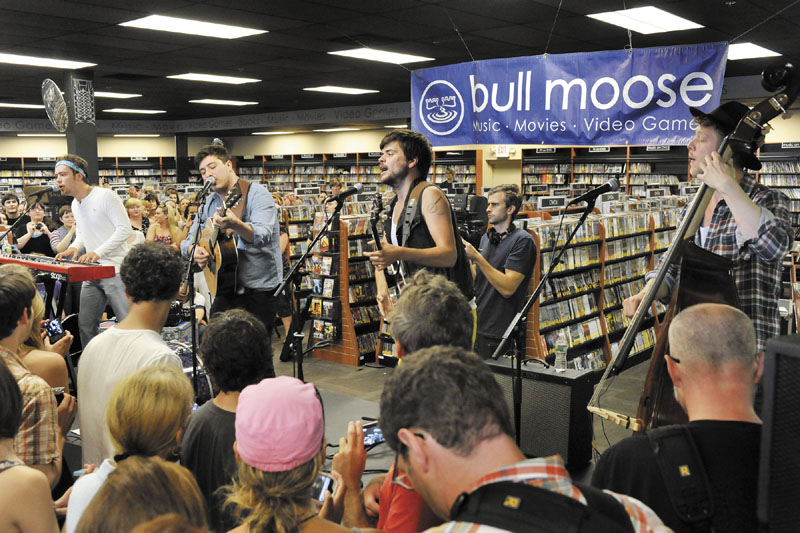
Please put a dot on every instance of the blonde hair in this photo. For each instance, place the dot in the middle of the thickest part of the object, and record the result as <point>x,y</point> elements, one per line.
<point>172,222</point>
<point>147,409</point>
<point>272,501</point>
<point>141,489</point>
<point>133,202</point>
<point>34,340</point>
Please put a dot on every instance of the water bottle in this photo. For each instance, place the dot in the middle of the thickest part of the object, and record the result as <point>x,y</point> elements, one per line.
<point>562,345</point>
<point>6,247</point>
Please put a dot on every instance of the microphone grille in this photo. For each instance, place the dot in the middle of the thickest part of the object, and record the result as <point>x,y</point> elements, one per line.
<point>358,186</point>
<point>613,184</point>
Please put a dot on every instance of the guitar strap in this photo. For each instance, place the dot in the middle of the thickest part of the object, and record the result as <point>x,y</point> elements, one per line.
<point>243,186</point>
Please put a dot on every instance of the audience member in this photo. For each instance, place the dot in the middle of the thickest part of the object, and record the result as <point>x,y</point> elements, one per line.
<point>139,490</point>
<point>150,203</point>
<point>236,352</point>
<point>61,238</point>
<point>11,206</point>
<point>280,449</point>
<point>168,523</point>
<point>42,358</point>
<point>444,414</point>
<point>34,237</point>
<point>136,209</point>
<point>41,436</point>
<point>152,275</point>
<point>134,191</point>
<point>172,194</point>
<point>134,430</point>
<point>447,184</point>
<point>164,228</point>
<point>25,503</point>
<point>713,364</point>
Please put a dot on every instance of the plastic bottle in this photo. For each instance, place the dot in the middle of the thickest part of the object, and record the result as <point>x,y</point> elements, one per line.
<point>6,248</point>
<point>562,344</point>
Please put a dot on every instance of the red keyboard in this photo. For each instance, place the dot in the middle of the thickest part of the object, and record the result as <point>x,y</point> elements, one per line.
<point>63,270</point>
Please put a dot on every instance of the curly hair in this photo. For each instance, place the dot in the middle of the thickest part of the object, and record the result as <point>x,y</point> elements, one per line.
<point>151,272</point>
<point>448,392</point>
<point>415,146</point>
<point>236,350</point>
<point>217,150</point>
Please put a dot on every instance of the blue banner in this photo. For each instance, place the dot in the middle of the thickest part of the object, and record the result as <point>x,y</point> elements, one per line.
<point>615,98</point>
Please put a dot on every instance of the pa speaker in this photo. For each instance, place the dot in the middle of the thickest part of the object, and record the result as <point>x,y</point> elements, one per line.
<point>554,417</point>
<point>779,469</point>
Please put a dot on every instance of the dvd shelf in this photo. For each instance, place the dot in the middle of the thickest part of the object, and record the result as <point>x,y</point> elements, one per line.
<point>780,169</point>
<point>465,164</point>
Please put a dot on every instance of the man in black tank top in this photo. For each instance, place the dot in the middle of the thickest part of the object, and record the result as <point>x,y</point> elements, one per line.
<point>428,239</point>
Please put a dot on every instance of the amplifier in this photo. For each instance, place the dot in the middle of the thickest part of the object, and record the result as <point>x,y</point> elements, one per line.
<point>554,417</point>
<point>779,467</point>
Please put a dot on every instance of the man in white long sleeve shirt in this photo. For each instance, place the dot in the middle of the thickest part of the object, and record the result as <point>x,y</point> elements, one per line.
<point>102,230</point>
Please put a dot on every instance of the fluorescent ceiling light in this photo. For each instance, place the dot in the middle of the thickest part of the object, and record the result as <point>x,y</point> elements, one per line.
<point>40,135</point>
<point>646,20</point>
<point>273,133</point>
<point>192,27</point>
<point>213,78</point>
<point>43,62</point>
<point>140,111</point>
<point>381,55</point>
<point>105,94</point>
<point>748,51</point>
<point>331,130</point>
<point>221,102</point>
<point>23,106</point>
<point>397,126</point>
<point>342,90</point>
<point>137,135</point>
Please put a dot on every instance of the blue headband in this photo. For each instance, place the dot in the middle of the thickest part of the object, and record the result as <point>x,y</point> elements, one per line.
<point>71,165</point>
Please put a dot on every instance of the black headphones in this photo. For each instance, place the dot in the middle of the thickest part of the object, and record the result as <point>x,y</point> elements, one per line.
<point>495,237</point>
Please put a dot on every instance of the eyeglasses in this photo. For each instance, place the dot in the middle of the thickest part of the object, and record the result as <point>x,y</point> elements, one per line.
<point>396,480</point>
<point>674,359</point>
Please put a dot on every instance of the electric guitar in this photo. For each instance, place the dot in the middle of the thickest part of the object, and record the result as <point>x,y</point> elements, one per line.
<point>220,271</point>
<point>377,220</point>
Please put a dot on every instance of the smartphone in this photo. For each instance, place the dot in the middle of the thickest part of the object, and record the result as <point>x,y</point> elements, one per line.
<point>54,330</point>
<point>323,483</point>
<point>372,436</point>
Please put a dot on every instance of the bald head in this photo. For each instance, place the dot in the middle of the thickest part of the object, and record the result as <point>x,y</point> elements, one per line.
<point>712,334</point>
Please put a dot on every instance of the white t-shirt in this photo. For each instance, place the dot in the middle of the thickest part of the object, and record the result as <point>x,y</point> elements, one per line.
<point>83,491</point>
<point>106,360</point>
<point>103,226</point>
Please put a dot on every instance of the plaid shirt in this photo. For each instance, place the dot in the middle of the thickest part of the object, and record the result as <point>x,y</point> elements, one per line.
<point>36,441</point>
<point>549,473</point>
<point>757,262</point>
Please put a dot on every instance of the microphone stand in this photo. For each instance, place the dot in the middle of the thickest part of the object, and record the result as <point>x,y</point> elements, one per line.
<point>294,337</point>
<point>517,326</point>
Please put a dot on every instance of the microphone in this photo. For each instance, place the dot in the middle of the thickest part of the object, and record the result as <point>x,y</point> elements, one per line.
<point>355,189</point>
<point>209,183</point>
<point>50,187</point>
<point>611,185</point>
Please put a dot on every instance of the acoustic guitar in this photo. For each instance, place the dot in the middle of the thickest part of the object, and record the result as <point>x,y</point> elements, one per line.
<point>220,271</point>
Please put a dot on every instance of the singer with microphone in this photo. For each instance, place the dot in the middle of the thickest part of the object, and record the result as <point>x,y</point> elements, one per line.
<point>504,268</point>
<point>253,223</point>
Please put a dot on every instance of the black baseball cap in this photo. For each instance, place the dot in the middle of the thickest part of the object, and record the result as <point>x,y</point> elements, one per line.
<point>725,118</point>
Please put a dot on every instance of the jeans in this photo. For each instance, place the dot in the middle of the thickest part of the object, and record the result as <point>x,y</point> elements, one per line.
<point>259,303</point>
<point>95,295</point>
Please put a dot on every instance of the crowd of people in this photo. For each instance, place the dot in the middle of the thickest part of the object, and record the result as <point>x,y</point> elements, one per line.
<point>247,459</point>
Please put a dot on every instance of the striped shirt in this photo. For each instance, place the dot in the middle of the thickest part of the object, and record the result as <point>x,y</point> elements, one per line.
<point>549,473</point>
<point>757,262</point>
<point>36,441</point>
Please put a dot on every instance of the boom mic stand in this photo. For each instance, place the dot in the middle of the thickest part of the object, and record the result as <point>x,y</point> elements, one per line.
<point>517,326</point>
<point>295,335</point>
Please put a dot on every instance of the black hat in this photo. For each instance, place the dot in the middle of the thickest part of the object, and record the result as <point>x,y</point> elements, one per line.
<point>725,118</point>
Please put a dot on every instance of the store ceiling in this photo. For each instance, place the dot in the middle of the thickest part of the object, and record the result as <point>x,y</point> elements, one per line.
<point>293,55</point>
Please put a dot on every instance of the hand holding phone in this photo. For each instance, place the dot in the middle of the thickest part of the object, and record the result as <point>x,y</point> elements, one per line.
<point>54,330</point>
<point>323,484</point>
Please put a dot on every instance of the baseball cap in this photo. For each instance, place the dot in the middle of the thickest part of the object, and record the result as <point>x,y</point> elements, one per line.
<point>726,117</point>
<point>279,424</point>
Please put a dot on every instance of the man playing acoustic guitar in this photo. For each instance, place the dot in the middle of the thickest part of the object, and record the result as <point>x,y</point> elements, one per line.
<point>254,225</point>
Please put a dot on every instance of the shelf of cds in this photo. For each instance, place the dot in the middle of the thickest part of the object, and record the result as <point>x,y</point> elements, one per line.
<point>780,169</point>
<point>466,166</point>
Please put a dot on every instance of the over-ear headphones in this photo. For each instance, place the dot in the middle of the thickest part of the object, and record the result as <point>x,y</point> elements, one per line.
<point>495,237</point>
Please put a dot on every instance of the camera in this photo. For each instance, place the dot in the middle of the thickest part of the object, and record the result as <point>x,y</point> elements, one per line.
<point>323,484</point>
<point>471,217</point>
<point>39,226</point>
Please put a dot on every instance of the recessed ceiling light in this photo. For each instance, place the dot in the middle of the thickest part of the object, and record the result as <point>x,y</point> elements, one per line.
<point>221,102</point>
<point>41,135</point>
<point>396,126</point>
<point>341,90</point>
<point>192,27</point>
<point>106,94</point>
<point>23,106</point>
<point>137,135</point>
<point>646,20</point>
<point>212,78</point>
<point>331,130</point>
<point>273,133</point>
<point>748,51</point>
<point>373,54</point>
<point>141,111</point>
<point>43,62</point>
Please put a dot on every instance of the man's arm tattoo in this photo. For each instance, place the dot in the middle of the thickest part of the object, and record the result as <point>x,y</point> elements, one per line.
<point>438,209</point>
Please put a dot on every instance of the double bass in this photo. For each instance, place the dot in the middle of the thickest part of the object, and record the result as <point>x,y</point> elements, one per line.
<point>657,405</point>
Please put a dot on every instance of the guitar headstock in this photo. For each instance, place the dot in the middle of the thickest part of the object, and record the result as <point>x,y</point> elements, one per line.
<point>233,198</point>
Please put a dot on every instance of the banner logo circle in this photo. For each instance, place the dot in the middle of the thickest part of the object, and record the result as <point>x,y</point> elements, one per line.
<point>441,108</point>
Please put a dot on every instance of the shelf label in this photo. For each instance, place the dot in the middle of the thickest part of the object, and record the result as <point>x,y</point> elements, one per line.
<point>790,145</point>
<point>599,149</point>
<point>690,190</point>
<point>307,156</point>
<point>609,197</point>
<point>535,188</point>
<point>656,193</point>
<point>374,154</point>
<point>3,159</point>
<point>657,148</point>
<point>562,191</point>
<point>248,157</point>
<point>138,158</point>
<point>45,158</point>
<point>550,202</point>
<point>277,156</point>
<point>545,150</point>
<point>369,188</point>
<point>339,156</point>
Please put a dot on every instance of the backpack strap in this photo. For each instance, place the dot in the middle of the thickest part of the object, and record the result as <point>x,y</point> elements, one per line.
<point>518,507</point>
<point>684,475</point>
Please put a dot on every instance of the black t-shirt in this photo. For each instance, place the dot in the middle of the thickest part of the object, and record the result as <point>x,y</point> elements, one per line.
<point>21,228</point>
<point>516,252</point>
<point>730,454</point>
